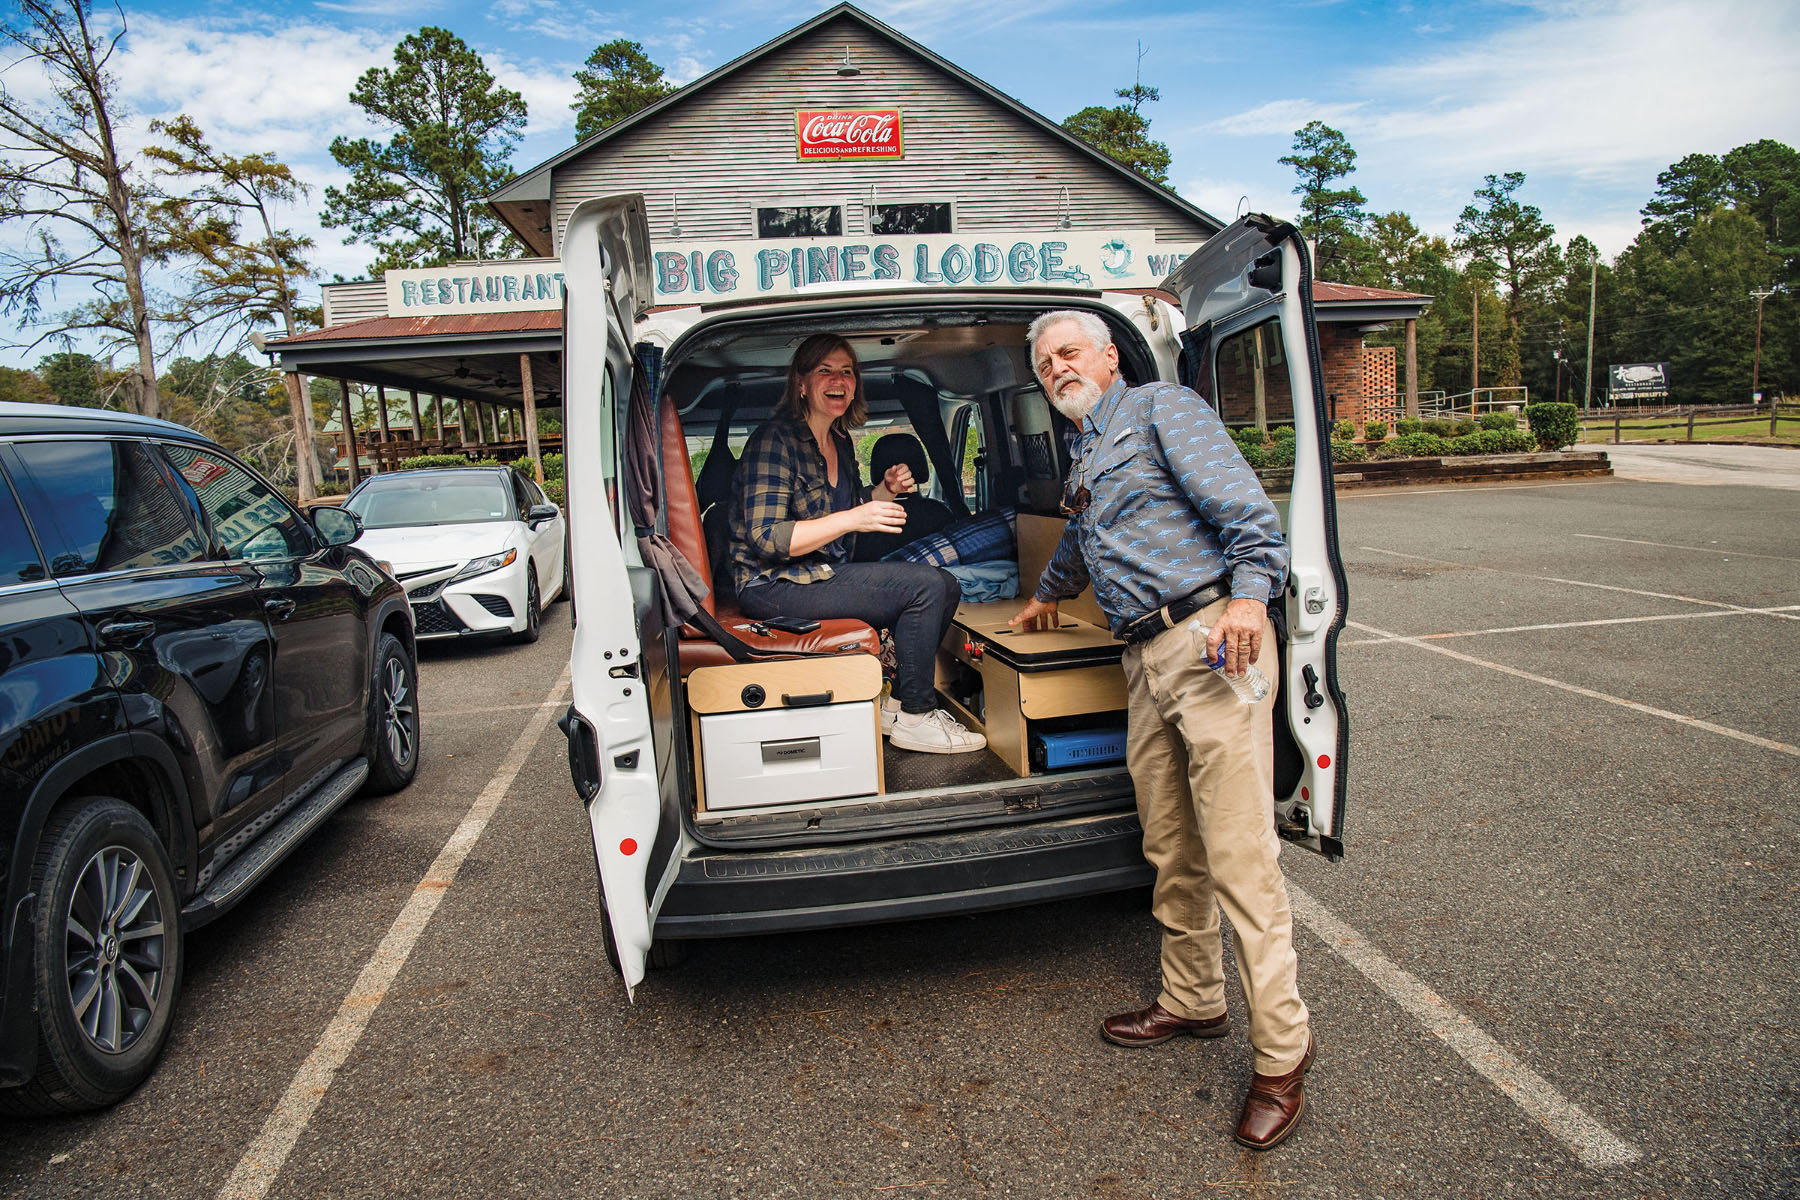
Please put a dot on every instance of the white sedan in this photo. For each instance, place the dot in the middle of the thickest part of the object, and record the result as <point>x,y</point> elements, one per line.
<point>480,550</point>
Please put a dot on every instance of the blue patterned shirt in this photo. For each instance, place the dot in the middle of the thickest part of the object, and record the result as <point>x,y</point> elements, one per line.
<point>1173,507</point>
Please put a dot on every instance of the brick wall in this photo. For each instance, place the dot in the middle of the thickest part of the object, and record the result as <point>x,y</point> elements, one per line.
<point>1380,376</point>
<point>1342,352</point>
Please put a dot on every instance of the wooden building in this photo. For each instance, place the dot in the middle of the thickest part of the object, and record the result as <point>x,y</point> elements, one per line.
<point>765,176</point>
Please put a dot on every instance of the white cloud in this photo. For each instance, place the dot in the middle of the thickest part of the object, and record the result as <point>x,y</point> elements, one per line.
<point>1283,117</point>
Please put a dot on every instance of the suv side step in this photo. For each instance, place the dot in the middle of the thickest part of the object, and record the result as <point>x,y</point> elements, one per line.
<point>269,849</point>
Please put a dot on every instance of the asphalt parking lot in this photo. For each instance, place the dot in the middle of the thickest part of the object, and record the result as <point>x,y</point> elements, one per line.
<point>1559,958</point>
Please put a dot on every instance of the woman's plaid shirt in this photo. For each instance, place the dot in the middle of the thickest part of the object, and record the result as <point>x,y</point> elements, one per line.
<point>780,480</point>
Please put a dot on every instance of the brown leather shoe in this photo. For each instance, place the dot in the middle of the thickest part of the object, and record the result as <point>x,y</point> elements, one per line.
<point>1274,1105</point>
<point>1156,1024</point>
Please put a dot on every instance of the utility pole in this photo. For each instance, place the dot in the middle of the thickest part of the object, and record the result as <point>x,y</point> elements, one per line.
<point>1593,287</point>
<point>1756,362</point>
<point>1474,343</point>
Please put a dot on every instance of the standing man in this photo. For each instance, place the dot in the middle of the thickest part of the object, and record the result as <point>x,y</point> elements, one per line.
<point>1173,530</point>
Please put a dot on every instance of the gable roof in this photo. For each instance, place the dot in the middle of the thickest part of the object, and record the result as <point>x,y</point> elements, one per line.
<point>533,184</point>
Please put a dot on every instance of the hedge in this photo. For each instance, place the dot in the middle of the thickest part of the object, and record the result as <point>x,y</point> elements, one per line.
<point>1375,431</point>
<point>425,462</point>
<point>1344,450</point>
<point>1415,445</point>
<point>1554,425</point>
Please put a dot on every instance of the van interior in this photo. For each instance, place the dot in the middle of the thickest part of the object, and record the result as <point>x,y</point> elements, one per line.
<point>791,747</point>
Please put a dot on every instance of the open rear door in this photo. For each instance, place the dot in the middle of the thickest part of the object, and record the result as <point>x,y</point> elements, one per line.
<point>1252,350</point>
<point>611,757</point>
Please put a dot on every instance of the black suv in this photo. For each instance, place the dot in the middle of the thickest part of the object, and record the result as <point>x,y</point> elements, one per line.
<point>193,676</point>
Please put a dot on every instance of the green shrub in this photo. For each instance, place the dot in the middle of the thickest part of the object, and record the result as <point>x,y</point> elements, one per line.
<point>1438,427</point>
<point>1406,425</point>
<point>1280,455</point>
<point>1465,427</point>
<point>556,490</point>
<point>1257,456</point>
<point>1414,445</point>
<point>1248,435</point>
<point>1343,450</point>
<point>1505,441</point>
<point>485,462</point>
<point>1499,421</point>
<point>425,462</point>
<point>1375,431</point>
<point>1554,425</point>
<point>553,466</point>
<point>1343,431</point>
<point>1282,433</point>
<point>1468,443</point>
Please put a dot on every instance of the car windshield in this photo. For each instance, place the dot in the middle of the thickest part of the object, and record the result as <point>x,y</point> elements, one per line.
<point>430,500</point>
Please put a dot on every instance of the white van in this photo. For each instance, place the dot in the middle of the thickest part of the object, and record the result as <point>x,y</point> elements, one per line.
<point>735,797</point>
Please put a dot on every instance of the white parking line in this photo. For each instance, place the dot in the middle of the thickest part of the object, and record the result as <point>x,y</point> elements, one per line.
<point>1600,537</point>
<point>1586,1138</point>
<point>1684,616</point>
<point>1590,693</point>
<point>262,1162</point>
<point>1604,587</point>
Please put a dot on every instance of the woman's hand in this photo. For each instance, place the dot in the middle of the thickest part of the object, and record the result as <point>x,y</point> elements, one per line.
<point>877,516</point>
<point>898,479</point>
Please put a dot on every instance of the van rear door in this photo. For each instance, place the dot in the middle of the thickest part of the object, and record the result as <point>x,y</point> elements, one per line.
<point>1252,350</point>
<point>611,757</point>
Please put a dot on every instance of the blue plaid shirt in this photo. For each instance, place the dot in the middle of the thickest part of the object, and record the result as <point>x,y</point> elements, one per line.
<point>1173,507</point>
<point>781,480</point>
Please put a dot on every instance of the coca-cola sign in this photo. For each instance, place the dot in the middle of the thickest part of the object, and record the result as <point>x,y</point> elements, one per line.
<point>848,133</point>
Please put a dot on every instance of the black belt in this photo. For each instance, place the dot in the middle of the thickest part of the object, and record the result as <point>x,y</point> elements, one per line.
<point>1174,612</point>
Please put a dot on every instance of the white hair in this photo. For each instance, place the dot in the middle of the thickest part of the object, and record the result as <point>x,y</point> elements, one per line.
<point>1098,335</point>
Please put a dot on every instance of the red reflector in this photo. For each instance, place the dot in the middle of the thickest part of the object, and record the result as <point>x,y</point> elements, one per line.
<point>1305,795</point>
<point>628,847</point>
<point>1324,761</point>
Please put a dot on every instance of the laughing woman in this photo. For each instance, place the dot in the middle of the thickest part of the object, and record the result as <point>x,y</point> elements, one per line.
<point>797,508</point>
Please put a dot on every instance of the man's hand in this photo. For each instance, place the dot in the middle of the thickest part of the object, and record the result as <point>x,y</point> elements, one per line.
<point>1240,630</point>
<point>1037,616</point>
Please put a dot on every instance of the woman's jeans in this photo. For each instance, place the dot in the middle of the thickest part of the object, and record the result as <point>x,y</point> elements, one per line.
<point>911,600</point>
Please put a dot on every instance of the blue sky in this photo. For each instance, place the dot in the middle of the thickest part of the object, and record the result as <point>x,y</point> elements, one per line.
<point>1590,98</point>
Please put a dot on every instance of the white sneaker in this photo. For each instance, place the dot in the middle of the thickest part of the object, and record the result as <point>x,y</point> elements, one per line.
<point>937,732</point>
<point>890,712</point>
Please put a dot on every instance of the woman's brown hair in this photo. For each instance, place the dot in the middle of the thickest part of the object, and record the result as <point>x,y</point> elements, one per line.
<point>810,353</point>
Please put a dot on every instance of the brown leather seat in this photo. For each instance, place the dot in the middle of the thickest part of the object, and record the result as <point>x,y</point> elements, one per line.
<point>835,635</point>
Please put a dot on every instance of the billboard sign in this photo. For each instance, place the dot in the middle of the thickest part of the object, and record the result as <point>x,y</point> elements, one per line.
<point>496,286</point>
<point>1634,383</point>
<point>827,133</point>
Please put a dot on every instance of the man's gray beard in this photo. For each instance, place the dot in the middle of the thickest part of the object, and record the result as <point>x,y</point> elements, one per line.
<point>1078,405</point>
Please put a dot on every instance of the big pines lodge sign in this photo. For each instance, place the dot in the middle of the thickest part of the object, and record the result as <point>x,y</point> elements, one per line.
<point>822,133</point>
<point>700,272</point>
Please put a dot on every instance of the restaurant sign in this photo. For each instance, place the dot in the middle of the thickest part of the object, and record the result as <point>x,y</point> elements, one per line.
<point>514,285</point>
<point>826,133</point>
<point>698,272</point>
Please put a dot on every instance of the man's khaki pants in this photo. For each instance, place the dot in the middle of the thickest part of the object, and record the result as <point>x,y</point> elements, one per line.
<point>1203,765</point>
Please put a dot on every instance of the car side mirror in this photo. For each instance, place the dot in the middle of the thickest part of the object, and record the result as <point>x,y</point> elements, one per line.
<point>338,526</point>
<point>541,512</point>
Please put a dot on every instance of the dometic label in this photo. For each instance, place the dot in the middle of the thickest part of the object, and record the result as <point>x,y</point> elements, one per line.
<point>697,272</point>
<point>824,133</point>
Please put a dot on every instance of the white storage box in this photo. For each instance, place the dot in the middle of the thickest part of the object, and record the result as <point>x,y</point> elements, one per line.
<point>789,755</point>
<point>787,732</point>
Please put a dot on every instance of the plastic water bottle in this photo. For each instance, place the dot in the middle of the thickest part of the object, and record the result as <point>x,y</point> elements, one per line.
<point>1250,687</point>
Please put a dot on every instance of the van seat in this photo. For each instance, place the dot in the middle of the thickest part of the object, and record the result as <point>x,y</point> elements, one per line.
<point>837,635</point>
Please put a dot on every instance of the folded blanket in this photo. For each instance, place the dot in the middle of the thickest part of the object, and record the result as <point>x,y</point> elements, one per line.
<point>982,582</point>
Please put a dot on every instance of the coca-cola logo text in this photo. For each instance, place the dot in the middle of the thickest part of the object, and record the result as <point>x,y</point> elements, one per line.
<point>849,133</point>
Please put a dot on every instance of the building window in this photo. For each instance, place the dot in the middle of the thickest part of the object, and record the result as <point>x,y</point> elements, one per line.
<point>931,217</point>
<point>804,220</point>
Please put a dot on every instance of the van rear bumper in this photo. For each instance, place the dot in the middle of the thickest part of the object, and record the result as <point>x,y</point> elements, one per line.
<point>726,894</point>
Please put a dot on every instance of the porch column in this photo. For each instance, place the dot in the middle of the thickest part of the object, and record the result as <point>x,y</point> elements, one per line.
<point>1257,368</point>
<point>387,435</point>
<point>349,432</point>
<point>418,425</point>
<point>306,463</point>
<point>473,408</point>
<point>1412,366</point>
<point>531,426</point>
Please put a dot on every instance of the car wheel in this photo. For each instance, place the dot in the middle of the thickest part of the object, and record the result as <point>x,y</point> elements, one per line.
<point>534,612</point>
<point>665,954</point>
<point>392,746</point>
<point>106,957</point>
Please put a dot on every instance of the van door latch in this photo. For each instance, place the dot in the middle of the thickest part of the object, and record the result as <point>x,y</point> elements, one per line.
<point>1312,699</point>
<point>1314,600</point>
